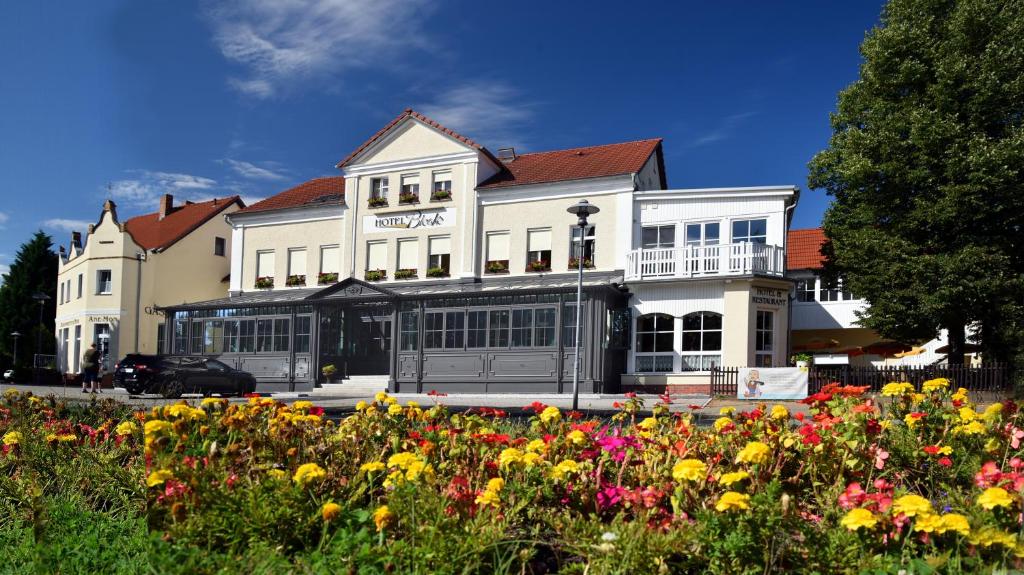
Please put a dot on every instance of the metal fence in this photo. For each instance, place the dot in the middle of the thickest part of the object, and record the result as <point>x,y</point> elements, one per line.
<point>988,377</point>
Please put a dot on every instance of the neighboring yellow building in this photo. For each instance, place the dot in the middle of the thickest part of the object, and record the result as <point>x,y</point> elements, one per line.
<point>110,287</point>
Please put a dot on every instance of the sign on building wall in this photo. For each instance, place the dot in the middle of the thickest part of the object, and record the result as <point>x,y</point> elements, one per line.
<point>414,220</point>
<point>772,383</point>
<point>769,296</point>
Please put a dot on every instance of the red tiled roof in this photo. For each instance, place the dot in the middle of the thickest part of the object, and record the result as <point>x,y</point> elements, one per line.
<point>409,112</point>
<point>577,164</point>
<point>803,249</point>
<point>327,190</point>
<point>150,232</point>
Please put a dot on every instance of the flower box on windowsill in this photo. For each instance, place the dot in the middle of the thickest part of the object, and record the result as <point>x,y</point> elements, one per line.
<point>538,266</point>
<point>497,267</point>
<point>295,281</point>
<point>265,282</point>
<point>377,202</point>
<point>408,198</point>
<point>327,278</point>
<point>574,264</point>
<point>376,275</point>
<point>437,273</point>
<point>405,274</point>
<point>441,196</point>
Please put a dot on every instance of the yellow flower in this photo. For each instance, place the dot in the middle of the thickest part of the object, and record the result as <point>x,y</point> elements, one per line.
<point>577,437</point>
<point>954,522</point>
<point>911,505</point>
<point>302,405</point>
<point>727,411</point>
<point>755,452</point>
<point>417,468</point>
<point>897,388</point>
<point>13,438</point>
<point>972,428</point>
<point>380,397</point>
<point>372,467</point>
<point>988,536</point>
<point>530,459</point>
<point>126,428</point>
<point>722,422</point>
<point>383,517</point>
<point>488,498</point>
<point>564,468</point>
<point>917,398</point>
<point>731,500</point>
<point>510,456</point>
<point>995,497</point>
<point>537,446</point>
<point>910,420</point>
<point>779,412</point>
<point>967,414</point>
<point>857,518</point>
<point>330,510</point>
<point>361,405</point>
<point>391,401</point>
<point>992,411</point>
<point>935,384</point>
<point>394,409</point>
<point>945,450</point>
<point>276,473</point>
<point>496,484</point>
<point>403,460</point>
<point>689,470</point>
<point>734,477</point>
<point>158,478</point>
<point>213,401</point>
<point>308,472</point>
<point>156,426</point>
<point>960,395</point>
<point>927,523</point>
<point>550,415</point>
<point>648,424</point>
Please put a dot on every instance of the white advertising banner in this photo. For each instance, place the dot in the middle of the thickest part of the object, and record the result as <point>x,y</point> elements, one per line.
<point>772,383</point>
<point>414,220</point>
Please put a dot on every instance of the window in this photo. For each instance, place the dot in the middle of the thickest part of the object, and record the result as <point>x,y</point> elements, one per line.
<point>589,235</point>
<point>833,291</point>
<point>230,344</point>
<point>180,337</point>
<point>655,343</point>
<point>66,334</point>
<point>538,248</point>
<point>329,260</point>
<point>379,188</point>
<point>408,255</point>
<point>544,327</point>
<point>705,234</point>
<point>61,292</point>
<point>497,328</point>
<point>654,237</point>
<point>454,326</point>
<point>569,325</point>
<point>755,231</point>
<point>213,339</point>
<point>104,282</point>
<point>265,264</point>
<point>302,333</point>
<point>79,286</point>
<point>440,254</point>
<point>218,246</point>
<point>522,328</point>
<point>272,335</point>
<point>764,336</point>
<point>442,185</point>
<point>497,252</point>
<point>376,255</point>
<point>476,329</point>
<point>702,341</point>
<point>410,188</point>
<point>197,338</point>
<point>246,335</point>
<point>409,330</point>
<point>68,290</point>
<point>433,330</point>
<point>806,289</point>
<point>77,357</point>
<point>296,267</point>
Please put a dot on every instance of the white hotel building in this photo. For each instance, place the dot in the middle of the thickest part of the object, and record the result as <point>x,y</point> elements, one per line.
<point>432,263</point>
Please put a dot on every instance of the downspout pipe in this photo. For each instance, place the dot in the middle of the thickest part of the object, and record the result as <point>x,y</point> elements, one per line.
<point>139,257</point>
<point>785,272</point>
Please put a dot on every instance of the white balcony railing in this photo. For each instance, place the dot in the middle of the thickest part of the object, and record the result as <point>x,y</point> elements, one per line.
<point>740,259</point>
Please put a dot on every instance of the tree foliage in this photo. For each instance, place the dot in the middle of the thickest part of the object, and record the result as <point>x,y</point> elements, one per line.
<point>34,270</point>
<point>925,167</point>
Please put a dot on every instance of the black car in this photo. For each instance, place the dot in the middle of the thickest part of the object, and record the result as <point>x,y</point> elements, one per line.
<point>173,376</point>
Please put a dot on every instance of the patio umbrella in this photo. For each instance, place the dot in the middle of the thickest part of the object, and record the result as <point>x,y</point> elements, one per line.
<point>968,348</point>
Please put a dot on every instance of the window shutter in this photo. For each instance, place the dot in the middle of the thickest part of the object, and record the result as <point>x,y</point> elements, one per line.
<point>376,255</point>
<point>329,262</point>
<point>538,240</point>
<point>408,254</point>
<point>497,246</point>
<point>297,262</point>
<point>265,264</point>
<point>442,245</point>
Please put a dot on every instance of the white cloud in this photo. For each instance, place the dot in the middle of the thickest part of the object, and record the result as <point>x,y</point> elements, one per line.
<point>3,220</point>
<point>279,42</point>
<point>725,129</point>
<point>66,225</point>
<point>145,189</point>
<point>252,171</point>
<point>491,113</point>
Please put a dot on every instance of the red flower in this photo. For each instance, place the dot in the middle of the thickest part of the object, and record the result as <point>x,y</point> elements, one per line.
<point>945,461</point>
<point>931,449</point>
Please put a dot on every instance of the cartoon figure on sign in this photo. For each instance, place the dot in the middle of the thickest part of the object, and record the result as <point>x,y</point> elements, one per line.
<point>753,384</point>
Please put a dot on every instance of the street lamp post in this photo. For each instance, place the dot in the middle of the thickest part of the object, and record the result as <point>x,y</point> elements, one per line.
<point>42,298</point>
<point>15,335</point>
<point>582,210</point>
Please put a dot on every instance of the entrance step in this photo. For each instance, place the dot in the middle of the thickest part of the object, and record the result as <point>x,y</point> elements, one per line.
<point>357,384</point>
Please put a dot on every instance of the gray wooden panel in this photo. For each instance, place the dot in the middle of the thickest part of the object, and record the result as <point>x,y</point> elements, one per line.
<point>408,366</point>
<point>448,366</point>
<point>302,367</point>
<point>265,368</point>
<point>522,365</point>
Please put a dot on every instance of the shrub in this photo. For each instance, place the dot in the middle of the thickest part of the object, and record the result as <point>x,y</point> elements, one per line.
<point>376,275</point>
<point>437,272</point>
<point>295,280</point>
<point>265,282</point>
<point>405,273</point>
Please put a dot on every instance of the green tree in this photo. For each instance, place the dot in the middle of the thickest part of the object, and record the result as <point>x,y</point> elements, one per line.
<point>925,167</point>
<point>34,270</point>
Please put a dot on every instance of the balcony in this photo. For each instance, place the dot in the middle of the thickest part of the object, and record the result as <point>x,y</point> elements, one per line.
<point>723,260</point>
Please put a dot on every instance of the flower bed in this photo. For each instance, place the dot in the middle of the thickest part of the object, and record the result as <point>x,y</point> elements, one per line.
<point>929,482</point>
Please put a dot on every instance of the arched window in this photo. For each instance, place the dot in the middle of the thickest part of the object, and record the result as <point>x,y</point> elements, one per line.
<point>702,341</point>
<point>655,343</point>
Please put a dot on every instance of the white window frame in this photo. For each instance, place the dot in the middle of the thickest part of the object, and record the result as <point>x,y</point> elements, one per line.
<point>654,356</point>
<point>109,284</point>
<point>702,355</point>
<point>764,357</point>
<point>379,187</point>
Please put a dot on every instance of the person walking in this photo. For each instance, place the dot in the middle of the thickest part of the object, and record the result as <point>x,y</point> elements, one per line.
<point>90,369</point>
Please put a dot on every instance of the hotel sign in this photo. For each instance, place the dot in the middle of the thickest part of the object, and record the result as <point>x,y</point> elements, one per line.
<point>415,220</point>
<point>769,296</point>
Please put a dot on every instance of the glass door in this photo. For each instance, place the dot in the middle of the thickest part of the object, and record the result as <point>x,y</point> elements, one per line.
<point>703,253</point>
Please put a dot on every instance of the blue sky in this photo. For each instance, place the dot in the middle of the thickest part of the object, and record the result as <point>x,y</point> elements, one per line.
<point>199,99</point>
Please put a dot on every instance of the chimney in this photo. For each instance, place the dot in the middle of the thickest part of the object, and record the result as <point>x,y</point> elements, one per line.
<point>506,155</point>
<point>76,240</point>
<point>166,205</point>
